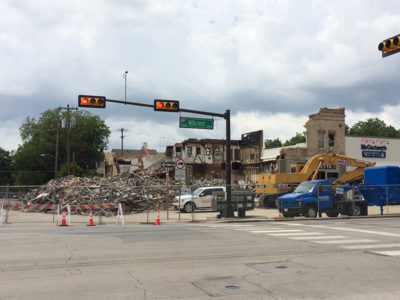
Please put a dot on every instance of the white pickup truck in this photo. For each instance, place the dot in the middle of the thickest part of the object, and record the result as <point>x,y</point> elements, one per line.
<point>200,198</point>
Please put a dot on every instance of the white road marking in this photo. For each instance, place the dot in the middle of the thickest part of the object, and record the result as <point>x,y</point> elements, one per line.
<point>310,234</point>
<point>347,229</point>
<point>345,241</point>
<point>375,246</point>
<point>318,237</point>
<point>275,231</point>
<point>388,253</point>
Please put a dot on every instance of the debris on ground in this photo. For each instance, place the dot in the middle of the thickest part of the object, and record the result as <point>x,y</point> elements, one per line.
<point>137,192</point>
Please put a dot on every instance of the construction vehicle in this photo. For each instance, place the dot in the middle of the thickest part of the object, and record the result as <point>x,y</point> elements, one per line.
<point>271,185</point>
<point>320,196</point>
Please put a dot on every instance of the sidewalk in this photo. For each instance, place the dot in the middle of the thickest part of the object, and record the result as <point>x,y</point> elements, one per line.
<point>172,216</point>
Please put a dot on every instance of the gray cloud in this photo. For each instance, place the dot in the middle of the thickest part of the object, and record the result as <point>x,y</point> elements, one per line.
<point>268,57</point>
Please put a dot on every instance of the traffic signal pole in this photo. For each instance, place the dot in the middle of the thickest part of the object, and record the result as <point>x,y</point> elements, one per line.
<point>228,208</point>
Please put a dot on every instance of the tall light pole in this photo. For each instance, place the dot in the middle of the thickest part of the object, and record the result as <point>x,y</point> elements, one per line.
<point>122,142</point>
<point>125,76</point>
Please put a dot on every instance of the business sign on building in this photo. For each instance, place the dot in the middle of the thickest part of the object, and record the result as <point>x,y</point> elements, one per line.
<point>374,148</point>
<point>383,151</point>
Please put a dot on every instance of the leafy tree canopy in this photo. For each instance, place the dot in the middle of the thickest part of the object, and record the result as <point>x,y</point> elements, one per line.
<point>34,160</point>
<point>373,127</point>
<point>298,138</point>
<point>268,144</point>
<point>5,167</point>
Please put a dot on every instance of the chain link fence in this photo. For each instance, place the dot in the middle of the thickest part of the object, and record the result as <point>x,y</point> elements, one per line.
<point>175,201</point>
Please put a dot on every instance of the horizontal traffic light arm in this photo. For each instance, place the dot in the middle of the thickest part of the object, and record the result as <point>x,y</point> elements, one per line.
<point>180,109</point>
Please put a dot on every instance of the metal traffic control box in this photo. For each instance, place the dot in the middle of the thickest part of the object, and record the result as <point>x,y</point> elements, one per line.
<point>244,201</point>
<point>217,201</point>
<point>241,201</point>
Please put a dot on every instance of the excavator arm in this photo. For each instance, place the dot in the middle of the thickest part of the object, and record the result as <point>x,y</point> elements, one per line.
<point>311,168</point>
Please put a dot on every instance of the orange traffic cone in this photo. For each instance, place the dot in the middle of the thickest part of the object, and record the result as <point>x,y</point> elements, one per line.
<point>63,221</point>
<point>91,219</point>
<point>158,217</point>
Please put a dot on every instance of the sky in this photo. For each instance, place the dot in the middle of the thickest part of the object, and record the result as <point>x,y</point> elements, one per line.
<point>271,63</point>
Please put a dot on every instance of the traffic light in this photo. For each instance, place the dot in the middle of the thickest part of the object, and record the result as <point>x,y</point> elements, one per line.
<point>166,105</point>
<point>236,165</point>
<point>390,46</point>
<point>92,101</point>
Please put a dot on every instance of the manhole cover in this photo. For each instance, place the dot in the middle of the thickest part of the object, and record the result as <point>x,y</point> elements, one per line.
<point>232,287</point>
<point>226,286</point>
<point>281,267</point>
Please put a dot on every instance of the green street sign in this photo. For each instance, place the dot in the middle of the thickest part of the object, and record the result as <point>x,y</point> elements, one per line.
<point>196,123</point>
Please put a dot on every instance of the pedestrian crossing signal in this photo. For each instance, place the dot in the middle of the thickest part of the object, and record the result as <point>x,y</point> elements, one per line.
<point>91,101</point>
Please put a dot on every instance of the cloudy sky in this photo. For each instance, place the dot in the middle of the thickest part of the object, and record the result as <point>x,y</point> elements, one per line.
<point>271,62</point>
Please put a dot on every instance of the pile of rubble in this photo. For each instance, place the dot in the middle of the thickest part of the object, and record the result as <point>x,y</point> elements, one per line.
<point>136,192</point>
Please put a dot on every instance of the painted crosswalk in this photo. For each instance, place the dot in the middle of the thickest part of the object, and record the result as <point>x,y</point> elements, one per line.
<point>312,234</point>
<point>325,237</point>
<point>374,246</point>
<point>302,233</point>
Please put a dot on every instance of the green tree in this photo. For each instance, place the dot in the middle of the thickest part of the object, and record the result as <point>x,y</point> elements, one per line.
<point>298,138</point>
<point>34,160</point>
<point>373,127</point>
<point>5,167</point>
<point>268,144</point>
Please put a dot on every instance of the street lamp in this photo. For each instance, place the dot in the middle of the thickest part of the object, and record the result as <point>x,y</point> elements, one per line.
<point>55,163</point>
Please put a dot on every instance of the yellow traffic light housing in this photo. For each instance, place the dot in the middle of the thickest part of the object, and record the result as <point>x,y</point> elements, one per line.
<point>166,105</point>
<point>91,101</point>
<point>390,46</point>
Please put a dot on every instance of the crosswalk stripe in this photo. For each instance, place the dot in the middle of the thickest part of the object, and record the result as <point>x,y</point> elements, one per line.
<point>310,234</point>
<point>325,237</point>
<point>375,246</point>
<point>275,231</point>
<point>347,229</point>
<point>388,253</point>
<point>345,241</point>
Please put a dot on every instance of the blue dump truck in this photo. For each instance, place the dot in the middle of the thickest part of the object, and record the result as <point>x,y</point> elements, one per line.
<point>381,187</point>
<point>319,196</point>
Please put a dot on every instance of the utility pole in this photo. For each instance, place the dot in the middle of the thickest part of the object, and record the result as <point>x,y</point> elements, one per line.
<point>68,128</point>
<point>56,156</point>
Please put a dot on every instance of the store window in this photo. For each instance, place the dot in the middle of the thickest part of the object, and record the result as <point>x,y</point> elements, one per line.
<point>321,139</point>
<point>217,150</point>
<point>331,139</point>
<point>235,154</point>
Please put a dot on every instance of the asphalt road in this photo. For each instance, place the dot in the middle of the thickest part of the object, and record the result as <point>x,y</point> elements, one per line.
<point>311,259</point>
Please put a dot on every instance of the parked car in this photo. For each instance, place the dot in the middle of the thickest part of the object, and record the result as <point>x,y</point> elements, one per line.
<point>199,199</point>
